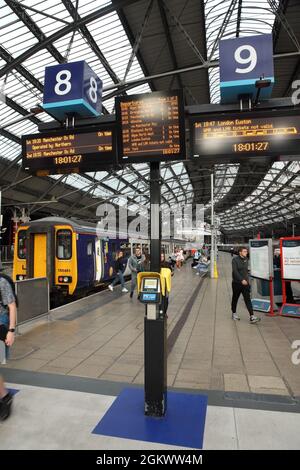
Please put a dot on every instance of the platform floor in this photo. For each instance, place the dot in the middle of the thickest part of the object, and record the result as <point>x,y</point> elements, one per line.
<point>77,363</point>
<point>49,418</point>
<point>101,337</point>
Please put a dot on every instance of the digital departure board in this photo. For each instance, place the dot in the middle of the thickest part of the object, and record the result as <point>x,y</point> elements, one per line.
<point>151,127</point>
<point>245,135</point>
<point>67,151</point>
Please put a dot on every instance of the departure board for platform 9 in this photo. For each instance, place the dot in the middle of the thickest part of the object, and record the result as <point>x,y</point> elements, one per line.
<point>151,127</point>
<point>245,135</point>
<point>66,151</point>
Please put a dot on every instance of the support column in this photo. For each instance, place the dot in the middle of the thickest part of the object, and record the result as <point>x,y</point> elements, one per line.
<point>212,238</point>
<point>155,331</point>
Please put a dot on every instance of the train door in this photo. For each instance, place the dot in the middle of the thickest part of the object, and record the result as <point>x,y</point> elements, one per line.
<point>90,267</point>
<point>39,255</point>
<point>98,260</point>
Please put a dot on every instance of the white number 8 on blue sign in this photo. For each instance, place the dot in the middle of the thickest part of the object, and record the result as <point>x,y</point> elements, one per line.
<point>72,88</point>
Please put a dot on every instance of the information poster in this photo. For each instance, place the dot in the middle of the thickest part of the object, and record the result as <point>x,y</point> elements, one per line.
<point>290,252</point>
<point>261,258</point>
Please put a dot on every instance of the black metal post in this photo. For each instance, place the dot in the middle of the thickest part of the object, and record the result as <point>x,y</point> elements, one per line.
<point>155,217</point>
<point>155,331</point>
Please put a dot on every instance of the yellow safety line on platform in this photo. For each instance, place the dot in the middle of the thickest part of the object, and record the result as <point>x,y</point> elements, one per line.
<point>216,275</point>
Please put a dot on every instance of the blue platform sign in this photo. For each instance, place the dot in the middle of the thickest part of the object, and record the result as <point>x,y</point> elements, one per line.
<point>290,310</point>
<point>72,88</point>
<point>243,61</point>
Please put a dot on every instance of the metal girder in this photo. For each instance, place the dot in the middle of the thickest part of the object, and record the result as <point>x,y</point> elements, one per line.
<point>278,24</point>
<point>170,167</point>
<point>183,31</point>
<point>282,18</point>
<point>224,25</point>
<point>5,55</point>
<point>238,21</point>
<point>193,68</point>
<point>63,32</point>
<point>91,41</point>
<point>131,38</point>
<point>10,136</point>
<point>138,39</point>
<point>33,28</point>
<point>40,12</point>
<point>94,185</point>
<point>53,184</point>
<point>265,202</point>
<point>75,203</point>
<point>166,27</point>
<point>10,165</point>
<point>19,109</point>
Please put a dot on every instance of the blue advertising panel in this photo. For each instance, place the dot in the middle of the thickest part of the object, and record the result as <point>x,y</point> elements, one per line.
<point>243,61</point>
<point>72,88</point>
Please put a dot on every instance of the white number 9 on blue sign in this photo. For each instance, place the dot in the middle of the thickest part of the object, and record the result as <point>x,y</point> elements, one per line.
<point>249,59</point>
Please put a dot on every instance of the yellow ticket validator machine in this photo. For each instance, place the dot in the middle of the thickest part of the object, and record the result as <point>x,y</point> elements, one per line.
<point>153,291</point>
<point>149,288</point>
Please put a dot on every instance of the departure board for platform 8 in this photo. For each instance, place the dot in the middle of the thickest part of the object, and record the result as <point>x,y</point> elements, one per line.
<point>151,127</point>
<point>245,135</point>
<point>69,151</point>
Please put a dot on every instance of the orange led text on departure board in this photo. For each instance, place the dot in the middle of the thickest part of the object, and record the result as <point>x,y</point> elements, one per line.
<point>68,144</point>
<point>150,126</point>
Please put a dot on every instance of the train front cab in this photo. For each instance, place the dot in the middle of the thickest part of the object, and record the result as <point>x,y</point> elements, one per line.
<point>20,262</point>
<point>44,250</point>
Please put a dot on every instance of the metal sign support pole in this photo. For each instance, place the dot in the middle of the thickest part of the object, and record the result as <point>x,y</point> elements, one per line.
<point>155,331</point>
<point>212,230</point>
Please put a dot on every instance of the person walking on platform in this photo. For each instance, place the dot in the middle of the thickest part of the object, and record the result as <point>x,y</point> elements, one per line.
<point>241,285</point>
<point>120,268</point>
<point>179,258</point>
<point>136,265</point>
<point>8,313</point>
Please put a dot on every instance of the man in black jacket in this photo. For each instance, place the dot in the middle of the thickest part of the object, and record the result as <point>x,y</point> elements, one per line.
<point>241,285</point>
<point>120,263</point>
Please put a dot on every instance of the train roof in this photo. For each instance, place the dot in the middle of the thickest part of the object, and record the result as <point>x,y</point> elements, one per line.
<point>81,225</point>
<point>74,223</point>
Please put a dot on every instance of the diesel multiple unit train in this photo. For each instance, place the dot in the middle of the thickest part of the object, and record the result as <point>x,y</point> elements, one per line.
<point>71,255</point>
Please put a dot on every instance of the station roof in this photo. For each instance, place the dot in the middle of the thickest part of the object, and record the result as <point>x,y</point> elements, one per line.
<point>176,46</point>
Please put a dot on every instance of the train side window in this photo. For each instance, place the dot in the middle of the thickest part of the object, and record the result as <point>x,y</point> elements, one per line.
<point>113,250</point>
<point>22,244</point>
<point>89,248</point>
<point>64,244</point>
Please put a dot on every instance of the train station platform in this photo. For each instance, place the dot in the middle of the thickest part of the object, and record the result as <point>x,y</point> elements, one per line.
<point>80,360</point>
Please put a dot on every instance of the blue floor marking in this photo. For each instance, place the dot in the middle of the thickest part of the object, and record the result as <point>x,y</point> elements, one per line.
<point>182,426</point>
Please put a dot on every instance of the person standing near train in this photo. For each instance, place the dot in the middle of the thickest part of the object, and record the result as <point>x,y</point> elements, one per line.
<point>136,265</point>
<point>120,265</point>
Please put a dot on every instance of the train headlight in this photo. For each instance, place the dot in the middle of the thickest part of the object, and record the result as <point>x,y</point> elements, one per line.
<point>65,279</point>
<point>20,277</point>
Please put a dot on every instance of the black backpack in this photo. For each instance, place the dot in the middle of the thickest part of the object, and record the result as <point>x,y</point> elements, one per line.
<point>12,285</point>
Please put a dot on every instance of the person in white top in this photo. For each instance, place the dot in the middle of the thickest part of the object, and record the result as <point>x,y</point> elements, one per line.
<point>179,258</point>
